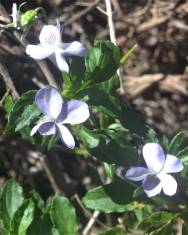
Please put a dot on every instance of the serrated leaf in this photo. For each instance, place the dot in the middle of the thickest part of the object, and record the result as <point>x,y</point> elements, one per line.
<point>89,138</point>
<point>9,103</point>
<point>183,155</point>
<point>23,218</point>
<point>110,86</point>
<point>114,153</point>
<point>113,197</point>
<point>110,145</point>
<point>176,143</point>
<point>165,143</point>
<point>102,61</point>
<point>63,216</point>
<point>166,229</point>
<point>110,170</point>
<point>10,200</point>
<point>152,136</point>
<point>30,114</point>
<point>23,113</point>
<point>73,80</point>
<point>103,101</point>
<point>156,220</point>
<point>41,225</point>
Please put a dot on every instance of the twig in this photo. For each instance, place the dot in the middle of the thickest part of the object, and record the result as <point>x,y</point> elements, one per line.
<point>87,212</point>
<point>81,13</point>
<point>91,222</point>
<point>113,36</point>
<point>110,21</point>
<point>4,97</point>
<point>49,175</point>
<point>8,81</point>
<point>38,83</point>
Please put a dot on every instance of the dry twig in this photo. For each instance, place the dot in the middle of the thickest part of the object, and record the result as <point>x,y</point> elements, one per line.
<point>8,81</point>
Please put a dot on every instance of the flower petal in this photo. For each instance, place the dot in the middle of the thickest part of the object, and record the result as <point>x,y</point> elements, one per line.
<point>65,136</point>
<point>38,52</point>
<point>172,164</point>
<point>136,173</point>
<point>74,48</point>
<point>169,184</point>
<point>49,36</point>
<point>74,112</point>
<point>49,102</point>
<point>152,185</point>
<point>154,156</point>
<point>61,63</point>
<point>48,128</point>
<point>44,127</point>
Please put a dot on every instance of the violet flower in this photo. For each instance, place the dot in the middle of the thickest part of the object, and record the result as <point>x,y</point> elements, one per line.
<point>57,113</point>
<point>155,177</point>
<point>53,48</point>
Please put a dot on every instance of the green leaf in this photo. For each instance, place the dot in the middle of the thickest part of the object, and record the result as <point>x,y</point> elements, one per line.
<point>102,61</point>
<point>152,136</point>
<point>23,218</point>
<point>29,17</point>
<point>89,137</point>
<point>37,199</point>
<point>105,102</point>
<point>110,170</point>
<point>114,197</point>
<point>41,225</point>
<point>165,143</point>
<point>166,229</point>
<point>73,80</point>
<point>183,155</point>
<point>133,121</point>
<point>30,114</point>
<point>156,220</point>
<point>101,65</point>
<point>63,216</point>
<point>110,86</point>
<point>114,231</point>
<point>23,113</point>
<point>176,143</point>
<point>114,153</point>
<point>110,145</point>
<point>9,103</point>
<point>10,200</point>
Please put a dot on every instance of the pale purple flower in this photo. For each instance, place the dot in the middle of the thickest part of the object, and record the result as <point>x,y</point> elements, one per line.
<point>53,48</point>
<point>57,113</point>
<point>155,177</point>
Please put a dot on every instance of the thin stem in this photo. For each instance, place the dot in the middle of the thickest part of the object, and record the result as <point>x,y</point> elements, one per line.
<point>127,54</point>
<point>49,175</point>
<point>112,35</point>
<point>91,222</point>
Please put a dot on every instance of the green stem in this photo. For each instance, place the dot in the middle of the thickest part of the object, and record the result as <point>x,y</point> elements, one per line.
<point>128,53</point>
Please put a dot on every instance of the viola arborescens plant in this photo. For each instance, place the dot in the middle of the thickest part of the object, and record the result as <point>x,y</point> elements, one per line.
<point>57,113</point>
<point>53,48</point>
<point>113,136</point>
<point>155,177</point>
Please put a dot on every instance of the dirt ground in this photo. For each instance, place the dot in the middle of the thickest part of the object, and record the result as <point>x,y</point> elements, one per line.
<point>155,78</point>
